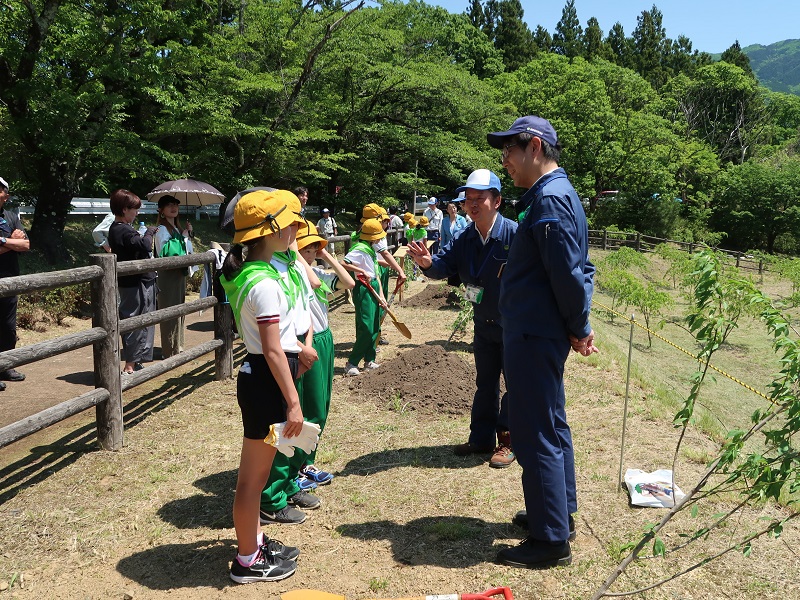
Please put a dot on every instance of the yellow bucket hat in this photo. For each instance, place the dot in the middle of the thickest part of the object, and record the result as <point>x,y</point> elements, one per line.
<point>412,222</point>
<point>263,213</point>
<point>372,230</point>
<point>373,211</point>
<point>307,234</point>
<point>407,217</point>
<point>424,221</point>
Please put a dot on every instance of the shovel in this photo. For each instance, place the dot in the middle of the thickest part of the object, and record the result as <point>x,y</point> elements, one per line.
<point>317,595</point>
<point>401,327</point>
<point>397,288</point>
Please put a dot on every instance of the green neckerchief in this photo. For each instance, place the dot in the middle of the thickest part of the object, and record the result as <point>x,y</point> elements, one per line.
<point>322,292</point>
<point>297,284</point>
<point>250,274</point>
<point>365,248</point>
<point>523,214</point>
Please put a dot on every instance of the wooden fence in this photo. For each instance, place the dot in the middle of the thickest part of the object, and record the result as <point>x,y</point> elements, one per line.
<point>614,240</point>
<point>104,336</point>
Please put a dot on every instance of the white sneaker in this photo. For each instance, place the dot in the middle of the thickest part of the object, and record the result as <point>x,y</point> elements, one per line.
<point>371,365</point>
<point>351,370</point>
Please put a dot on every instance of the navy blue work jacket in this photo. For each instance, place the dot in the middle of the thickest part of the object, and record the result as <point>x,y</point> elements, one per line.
<point>548,283</point>
<point>477,264</point>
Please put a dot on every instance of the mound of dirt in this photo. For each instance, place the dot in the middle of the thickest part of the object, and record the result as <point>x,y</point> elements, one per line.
<point>435,296</point>
<point>427,380</point>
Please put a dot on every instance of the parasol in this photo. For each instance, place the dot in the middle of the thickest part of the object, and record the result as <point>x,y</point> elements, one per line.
<point>189,191</point>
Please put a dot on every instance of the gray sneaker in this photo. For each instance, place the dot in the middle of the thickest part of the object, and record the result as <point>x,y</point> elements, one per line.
<point>285,516</point>
<point>304,500</point>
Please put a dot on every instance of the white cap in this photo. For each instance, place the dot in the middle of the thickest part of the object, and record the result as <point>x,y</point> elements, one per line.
<point>462,195</point>
<point>4,183</point>
<point>481,179</point>
<point>432,200</point>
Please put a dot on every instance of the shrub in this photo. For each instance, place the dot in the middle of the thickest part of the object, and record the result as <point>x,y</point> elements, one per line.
<point>38,309</point>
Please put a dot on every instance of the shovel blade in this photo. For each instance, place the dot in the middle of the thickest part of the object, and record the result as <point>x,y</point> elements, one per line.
<point>401,327</point>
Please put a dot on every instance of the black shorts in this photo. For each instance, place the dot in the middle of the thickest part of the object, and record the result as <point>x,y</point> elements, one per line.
<point>260,399</point>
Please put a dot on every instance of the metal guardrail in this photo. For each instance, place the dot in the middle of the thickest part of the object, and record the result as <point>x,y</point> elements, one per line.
<point>101,207</point>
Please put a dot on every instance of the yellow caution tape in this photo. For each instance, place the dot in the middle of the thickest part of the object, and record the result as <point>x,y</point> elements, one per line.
<point>674,345</point>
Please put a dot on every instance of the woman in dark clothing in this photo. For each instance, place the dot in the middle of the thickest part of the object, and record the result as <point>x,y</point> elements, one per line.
<point>137,293</point>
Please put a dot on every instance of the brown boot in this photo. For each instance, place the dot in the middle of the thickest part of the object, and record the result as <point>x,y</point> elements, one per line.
<point>503,455</point>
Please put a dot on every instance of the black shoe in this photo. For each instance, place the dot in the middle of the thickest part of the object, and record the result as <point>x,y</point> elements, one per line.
<point>265,568</point>
<point>521,520</point>
<point>285,516</point>
<point>2,386</point>
<point>276,548</point>
<point>533,554</point>
<point>304,500</point>
<point>468,448</point>
<point>12,375</point>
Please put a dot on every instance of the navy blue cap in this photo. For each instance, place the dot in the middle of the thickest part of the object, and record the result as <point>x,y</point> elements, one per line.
<point>536,126</point>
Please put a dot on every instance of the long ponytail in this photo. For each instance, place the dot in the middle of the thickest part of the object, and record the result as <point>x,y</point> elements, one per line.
<point>233,262</point>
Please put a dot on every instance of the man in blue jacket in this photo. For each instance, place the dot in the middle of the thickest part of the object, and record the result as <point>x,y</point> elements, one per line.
<point>477,254</point>
<point>545,297</point>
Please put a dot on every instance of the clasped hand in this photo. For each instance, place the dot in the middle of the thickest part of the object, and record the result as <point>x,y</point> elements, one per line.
<point>584,346</point>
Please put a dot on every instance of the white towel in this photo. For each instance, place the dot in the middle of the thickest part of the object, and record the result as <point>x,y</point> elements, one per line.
<point>306,441</point>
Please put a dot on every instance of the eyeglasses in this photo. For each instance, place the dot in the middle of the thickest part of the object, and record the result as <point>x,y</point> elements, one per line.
<point>506,149</point>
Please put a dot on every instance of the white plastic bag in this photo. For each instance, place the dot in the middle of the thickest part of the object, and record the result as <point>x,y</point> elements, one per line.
<point>652,489</point>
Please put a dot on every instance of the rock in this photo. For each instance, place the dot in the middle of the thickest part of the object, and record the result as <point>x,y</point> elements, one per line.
<point>3,586</point>
<point>127,596</point>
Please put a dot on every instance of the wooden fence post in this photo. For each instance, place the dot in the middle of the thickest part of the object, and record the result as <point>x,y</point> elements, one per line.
<point>605,239</point>
<point>638,242</point>
<point>223,330</point>
<point>110,424</point>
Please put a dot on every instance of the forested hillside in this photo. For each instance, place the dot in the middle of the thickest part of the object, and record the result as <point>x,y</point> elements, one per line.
<point>777,66</point>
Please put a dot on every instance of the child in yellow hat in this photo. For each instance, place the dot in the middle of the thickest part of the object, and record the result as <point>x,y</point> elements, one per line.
<point>265,387</point>
<point>283,499</point>
<point>385,259</point>
<point>363,258</point>
<point>318,380</point>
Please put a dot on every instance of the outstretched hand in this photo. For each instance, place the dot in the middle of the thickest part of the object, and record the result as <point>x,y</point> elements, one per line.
<point>420,254</point>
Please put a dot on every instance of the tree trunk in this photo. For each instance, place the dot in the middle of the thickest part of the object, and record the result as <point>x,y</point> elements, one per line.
<point>56,191</point>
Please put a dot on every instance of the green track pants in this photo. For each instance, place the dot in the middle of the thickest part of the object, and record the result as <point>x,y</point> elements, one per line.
<point>368,324</point>
<point>314,390</point>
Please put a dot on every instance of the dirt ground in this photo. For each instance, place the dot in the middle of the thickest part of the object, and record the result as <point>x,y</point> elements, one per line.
<point>403,516</point>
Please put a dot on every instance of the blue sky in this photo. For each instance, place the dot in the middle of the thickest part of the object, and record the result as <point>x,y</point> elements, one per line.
<point>712,25</point>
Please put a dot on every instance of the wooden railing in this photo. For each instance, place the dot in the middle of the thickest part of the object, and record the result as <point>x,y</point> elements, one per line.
<point>614,240</point>
<point>104,337</point>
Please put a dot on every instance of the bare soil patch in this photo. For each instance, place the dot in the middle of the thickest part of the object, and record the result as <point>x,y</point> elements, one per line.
<point>427,380</point>
<point>435,296</point>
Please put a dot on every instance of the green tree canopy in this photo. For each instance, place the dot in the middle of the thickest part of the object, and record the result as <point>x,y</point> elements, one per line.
<point>568,36</point>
